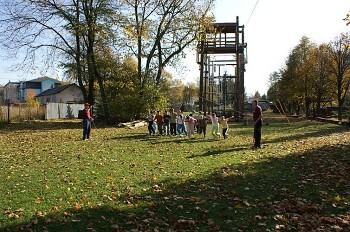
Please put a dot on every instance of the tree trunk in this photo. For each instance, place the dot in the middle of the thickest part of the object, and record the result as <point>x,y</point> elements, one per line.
<point>307,107</point>
<point>340,108</point>
<point>339,92</point>
<point>78,54</point>
<point>318,105</point>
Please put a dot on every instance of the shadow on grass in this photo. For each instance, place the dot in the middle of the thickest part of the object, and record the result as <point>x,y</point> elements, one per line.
<point>293,131</point>
<point>300,192</point>
<point>157,139</point>
<point>51,125</point>
<point>134,136</point>
<point>43,125</point>
<point>221,151</point>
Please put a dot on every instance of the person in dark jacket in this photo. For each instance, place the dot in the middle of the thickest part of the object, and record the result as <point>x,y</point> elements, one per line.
<point>87,119</point>
<point>257,118</point>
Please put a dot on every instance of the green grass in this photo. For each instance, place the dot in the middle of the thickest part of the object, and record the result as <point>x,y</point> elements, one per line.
<point>124,180</point>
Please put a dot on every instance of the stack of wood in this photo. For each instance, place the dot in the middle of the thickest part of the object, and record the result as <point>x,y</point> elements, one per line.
<point>132,125</point>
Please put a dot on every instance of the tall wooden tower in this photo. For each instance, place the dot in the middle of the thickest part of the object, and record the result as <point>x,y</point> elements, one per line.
<point>217,91</point>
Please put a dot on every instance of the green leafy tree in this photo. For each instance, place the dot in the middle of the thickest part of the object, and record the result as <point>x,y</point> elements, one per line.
<point>190,94</point>
<point>175,93</point>
<point>66,32</point>
<point>122,90</point>
<point>257,95</point>
<point>319,63</point>
<point>340,68</point>
<point>295,81</point>
<point>157,32</point>
<point>273,92</point>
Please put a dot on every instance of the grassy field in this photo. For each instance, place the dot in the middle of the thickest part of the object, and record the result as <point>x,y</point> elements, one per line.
<point>124,180</point>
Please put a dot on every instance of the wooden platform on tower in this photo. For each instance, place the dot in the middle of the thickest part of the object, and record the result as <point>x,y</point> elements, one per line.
<point>222,40</point>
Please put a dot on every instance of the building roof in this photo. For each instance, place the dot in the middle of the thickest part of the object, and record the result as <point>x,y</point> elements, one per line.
<point>12,83</point>
<point>55,90</point>
<point>41,79</point>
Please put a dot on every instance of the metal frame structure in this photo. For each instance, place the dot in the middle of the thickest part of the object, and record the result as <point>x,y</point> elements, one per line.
<point>225,40</point>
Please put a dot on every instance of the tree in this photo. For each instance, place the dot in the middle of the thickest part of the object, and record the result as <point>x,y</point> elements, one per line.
<point>295,79</point>
<point>175,93</point>
<point>273,91</point>
<point>302,71</point>
<point>190,93</point>
<point>159,30</point>
<point>121,88</point>
<point>257,95</point>
<point>320,64</point>
<point>70,30</point>
<point>340,68</point>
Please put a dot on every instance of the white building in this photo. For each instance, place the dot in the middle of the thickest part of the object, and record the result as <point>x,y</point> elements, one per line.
<point>62,94</point>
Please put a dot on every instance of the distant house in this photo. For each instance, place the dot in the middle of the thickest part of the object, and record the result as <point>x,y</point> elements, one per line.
<point>11,92</point>
<point>62,94</point>
<point>15,92</point>
<point>34,87</point>
<point>2,88</point>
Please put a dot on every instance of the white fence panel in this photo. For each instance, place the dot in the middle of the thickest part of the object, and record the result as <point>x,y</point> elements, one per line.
<point>62,110</point>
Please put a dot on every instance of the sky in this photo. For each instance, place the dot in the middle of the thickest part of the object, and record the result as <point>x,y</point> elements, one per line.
<point>272,30</point>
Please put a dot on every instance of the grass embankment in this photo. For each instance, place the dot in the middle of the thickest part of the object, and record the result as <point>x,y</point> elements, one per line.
<point>124,180</point>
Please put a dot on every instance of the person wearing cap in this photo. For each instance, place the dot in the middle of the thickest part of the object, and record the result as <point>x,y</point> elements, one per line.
<point>86,121</point>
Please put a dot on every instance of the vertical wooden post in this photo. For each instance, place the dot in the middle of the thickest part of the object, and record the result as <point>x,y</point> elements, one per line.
<point>201,92</point>
<point>8,112</point>
<point>238,74</point>
<point>205,88</point>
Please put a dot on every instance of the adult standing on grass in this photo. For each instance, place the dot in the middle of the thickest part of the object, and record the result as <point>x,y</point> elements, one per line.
<point>87,119</point>
<point>257,117</point>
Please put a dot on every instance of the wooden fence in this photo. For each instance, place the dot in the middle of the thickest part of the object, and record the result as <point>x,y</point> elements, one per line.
<point>21,112</point>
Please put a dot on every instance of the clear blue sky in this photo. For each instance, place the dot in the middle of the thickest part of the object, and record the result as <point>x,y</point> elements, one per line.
<point>274,29</point>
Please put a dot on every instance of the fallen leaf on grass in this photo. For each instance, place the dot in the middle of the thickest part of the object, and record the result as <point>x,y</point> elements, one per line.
<point>195,199</point>
<point>13,215</point>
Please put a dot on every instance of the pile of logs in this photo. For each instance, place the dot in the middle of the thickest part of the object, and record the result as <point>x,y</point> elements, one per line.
<point>132,125</point>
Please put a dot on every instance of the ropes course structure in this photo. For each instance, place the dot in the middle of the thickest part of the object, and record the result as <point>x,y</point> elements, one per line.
<point>222,47</point>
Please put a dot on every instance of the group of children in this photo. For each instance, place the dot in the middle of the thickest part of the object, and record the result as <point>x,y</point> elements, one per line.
<point>175,123</point>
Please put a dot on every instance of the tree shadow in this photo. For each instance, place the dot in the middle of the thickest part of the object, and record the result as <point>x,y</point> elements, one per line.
<point>214,152</point>
<point>134,136</point>
<point>52,125</point>
<point>43,125</point>
<point>306,135</point>
<point>307,191</point>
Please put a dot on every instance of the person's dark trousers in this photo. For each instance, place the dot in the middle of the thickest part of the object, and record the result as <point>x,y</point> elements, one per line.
<point>198,129</point>
<point>204,130</point>
<point>150,128</point>
<point>86,128</point>
<point>257,134</point>
<point>224,130</point>
<point>160,128</point>
<point>173,128</point>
